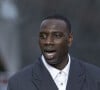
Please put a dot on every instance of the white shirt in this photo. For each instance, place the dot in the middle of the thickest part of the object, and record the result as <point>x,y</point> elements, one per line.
<point>60,77</point>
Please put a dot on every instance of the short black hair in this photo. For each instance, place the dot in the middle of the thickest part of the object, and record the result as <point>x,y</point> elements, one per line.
<point>60,17</point>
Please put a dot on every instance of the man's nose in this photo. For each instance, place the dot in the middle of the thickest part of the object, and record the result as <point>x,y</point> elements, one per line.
<point>49,40</point>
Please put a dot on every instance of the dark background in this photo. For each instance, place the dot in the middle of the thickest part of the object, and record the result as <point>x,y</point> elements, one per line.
<point>85,20</point>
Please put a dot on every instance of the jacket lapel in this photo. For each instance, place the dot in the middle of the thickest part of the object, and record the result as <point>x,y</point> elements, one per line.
<point>77,80</point>
<point>77,76</point>
<point>41,77</point>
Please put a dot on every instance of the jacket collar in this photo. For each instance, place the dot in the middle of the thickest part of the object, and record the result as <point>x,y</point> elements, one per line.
<point>77,79</point>
<point>76,76</point>
<point>41,77</point>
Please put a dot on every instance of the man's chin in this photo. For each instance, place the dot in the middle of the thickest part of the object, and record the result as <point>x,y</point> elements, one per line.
<point>51,61</point>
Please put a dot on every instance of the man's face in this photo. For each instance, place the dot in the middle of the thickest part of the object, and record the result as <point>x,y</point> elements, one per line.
<point>54,41</point>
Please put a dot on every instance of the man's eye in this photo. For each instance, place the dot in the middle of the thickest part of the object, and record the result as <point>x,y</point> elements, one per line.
<point>58,35</point>
<point>43,36</point>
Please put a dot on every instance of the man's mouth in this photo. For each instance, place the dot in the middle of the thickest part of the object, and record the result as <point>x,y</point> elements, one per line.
<point>50,54</point>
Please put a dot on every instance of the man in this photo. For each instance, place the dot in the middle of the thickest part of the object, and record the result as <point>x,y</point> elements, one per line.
<point>56,69</point>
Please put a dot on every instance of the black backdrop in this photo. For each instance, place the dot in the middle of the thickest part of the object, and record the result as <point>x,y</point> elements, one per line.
<point>85,19</point>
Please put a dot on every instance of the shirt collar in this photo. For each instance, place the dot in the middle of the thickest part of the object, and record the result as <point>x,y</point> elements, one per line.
<point>53,71</point>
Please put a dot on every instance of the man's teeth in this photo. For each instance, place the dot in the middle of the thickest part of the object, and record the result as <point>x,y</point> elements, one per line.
<point>50,54</point>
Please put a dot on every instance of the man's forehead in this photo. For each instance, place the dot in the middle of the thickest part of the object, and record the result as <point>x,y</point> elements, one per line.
<point>53,23</point>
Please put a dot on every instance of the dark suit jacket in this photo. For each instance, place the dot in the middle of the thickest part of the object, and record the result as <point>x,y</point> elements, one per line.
<point>82,76</point>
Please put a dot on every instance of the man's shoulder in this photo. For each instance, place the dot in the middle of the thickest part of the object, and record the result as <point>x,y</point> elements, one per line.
<point>90,69</point>
<point>27,72</point>
<point>23,74</point>
<point>21,79</point>
<point>93,70</point>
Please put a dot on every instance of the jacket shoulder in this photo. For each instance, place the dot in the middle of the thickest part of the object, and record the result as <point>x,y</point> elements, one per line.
<point>91,70</point>
<point>21,80</point>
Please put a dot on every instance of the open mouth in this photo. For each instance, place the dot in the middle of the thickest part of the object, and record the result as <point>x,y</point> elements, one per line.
<point>50,53</point>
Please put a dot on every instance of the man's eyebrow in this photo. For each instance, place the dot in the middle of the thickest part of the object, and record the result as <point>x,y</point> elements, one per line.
<point>42,32</point>
<point>58,31</point>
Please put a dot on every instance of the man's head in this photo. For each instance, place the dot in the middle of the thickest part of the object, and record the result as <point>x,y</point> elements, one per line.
<point>55,38</point>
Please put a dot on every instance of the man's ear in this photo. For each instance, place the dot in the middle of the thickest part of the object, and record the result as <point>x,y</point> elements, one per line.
<point>70,39</point>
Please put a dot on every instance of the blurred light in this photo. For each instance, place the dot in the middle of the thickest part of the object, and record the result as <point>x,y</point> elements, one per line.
<point>8,10</point>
